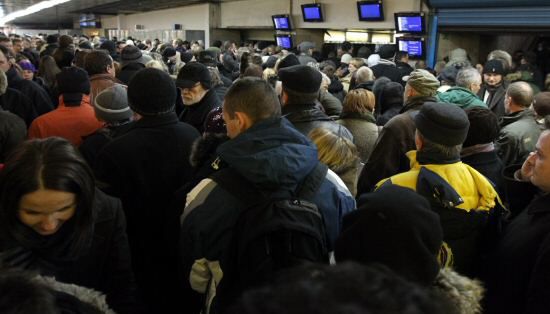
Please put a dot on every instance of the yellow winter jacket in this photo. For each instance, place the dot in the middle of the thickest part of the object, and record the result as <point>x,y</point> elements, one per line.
<point>476,190</point>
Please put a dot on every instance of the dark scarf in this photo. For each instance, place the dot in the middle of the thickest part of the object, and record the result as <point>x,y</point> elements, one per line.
<point>27,249</point>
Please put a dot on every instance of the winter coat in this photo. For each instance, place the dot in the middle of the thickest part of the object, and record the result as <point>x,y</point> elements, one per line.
<point>92,144</point>
<point>39,98</point>
<point>144,167</point>
<point>466,225</point>
<point>70,122</point>
<point>306,117</point>
<point>128,71</point>
<point>105,265</point>
<point>496,102</point>
<point>278,161</point>
<point>404,69</point>
<point>517,280</point>
<point>363,129</point>
<point>489,165</point>
<point>518,135</point>
<point>394,141</point>
<point>99,82</point>
<point>13,131</point>
<point>462,97</point>
<point>196,114</point>
<point>15,102</point>
<point>331,104</point>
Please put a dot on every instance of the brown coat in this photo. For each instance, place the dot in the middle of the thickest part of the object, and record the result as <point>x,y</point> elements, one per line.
<point>99,82</point>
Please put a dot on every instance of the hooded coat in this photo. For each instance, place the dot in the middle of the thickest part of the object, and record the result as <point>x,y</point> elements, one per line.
<point>274,157</point>
<point>462,97</point>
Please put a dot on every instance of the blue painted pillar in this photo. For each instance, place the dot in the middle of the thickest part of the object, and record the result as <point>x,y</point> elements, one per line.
<point>433,37</point>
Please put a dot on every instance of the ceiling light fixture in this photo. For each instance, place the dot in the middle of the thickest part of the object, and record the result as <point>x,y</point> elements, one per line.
<point>30,10</point>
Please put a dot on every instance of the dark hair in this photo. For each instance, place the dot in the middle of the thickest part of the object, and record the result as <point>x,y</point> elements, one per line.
<point>5,51</point>
<point>217,43</point>
<point>400,55</point>
<point>96,62</point>
<point>484,126</point>
<point>48,70</point>
<point>4,39</point>
<point>253,96</point>
<point>79,58</point>
<point>346,46</point>
<point>51,163</point>
<point>344,288</point>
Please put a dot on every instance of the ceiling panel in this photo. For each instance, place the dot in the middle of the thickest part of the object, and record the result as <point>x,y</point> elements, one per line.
<point>68,12</point>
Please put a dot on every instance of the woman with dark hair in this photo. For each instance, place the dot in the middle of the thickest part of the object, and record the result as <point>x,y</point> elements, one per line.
<point>55,222</point>
<point>47,71</point>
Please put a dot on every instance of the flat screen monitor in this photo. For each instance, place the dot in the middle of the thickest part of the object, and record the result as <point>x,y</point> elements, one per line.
<point>312,12</point>
<point>281,22</point>
<point>410,22</point>
<point>413,45</point>
<point>285,41</point>
<point>371,10</point>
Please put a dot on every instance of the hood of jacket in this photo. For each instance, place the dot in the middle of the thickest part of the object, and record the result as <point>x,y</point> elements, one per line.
<point>271,154</point>
<point>463,292</point>
<point>460,96</point>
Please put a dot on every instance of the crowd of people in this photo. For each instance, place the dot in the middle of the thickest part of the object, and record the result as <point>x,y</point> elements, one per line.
<point>148,177</point>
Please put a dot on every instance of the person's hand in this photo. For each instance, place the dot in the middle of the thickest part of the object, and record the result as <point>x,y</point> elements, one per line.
<point>527,168</point>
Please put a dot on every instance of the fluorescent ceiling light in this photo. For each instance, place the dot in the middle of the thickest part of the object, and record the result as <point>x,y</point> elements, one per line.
<point>30,10</point>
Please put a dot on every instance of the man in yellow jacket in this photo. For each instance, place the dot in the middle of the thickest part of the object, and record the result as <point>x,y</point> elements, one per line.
<point>463,197</point>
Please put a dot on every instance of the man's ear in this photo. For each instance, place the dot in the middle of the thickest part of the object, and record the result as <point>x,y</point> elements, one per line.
<point>244,121</point>
<point>284,97</point>
<point>418,141</point>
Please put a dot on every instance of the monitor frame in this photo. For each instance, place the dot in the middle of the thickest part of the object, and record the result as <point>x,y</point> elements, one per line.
<point>278,16</point>
<point>422,16</point>
<point>313,5</point>
<point>413,38</point>
<point>284,36</point>
<point>370,2</point>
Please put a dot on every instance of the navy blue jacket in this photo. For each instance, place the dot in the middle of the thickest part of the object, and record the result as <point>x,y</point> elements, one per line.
<point>273,156</point>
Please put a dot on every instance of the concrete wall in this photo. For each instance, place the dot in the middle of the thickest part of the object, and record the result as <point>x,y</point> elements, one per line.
<point>339,14</point>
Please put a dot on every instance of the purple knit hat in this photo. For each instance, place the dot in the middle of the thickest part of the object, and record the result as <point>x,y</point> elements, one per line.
<point>27,65</point>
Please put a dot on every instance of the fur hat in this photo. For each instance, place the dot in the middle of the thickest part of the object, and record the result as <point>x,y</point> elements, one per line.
<point>494,66</point>
<point>442,123</point>
<point>152,92</point>
<point>395,227</point>
<point>111,105</point>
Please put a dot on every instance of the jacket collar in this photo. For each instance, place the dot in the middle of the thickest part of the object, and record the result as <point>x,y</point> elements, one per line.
<point>414,103</point>
<point>516,116</point>
<point>156,121</point>
<point>103,77</point>
<point>539,205</point>
<point>368,116</point>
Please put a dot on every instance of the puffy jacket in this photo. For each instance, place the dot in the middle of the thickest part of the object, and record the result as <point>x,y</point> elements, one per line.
<point>274,157</point>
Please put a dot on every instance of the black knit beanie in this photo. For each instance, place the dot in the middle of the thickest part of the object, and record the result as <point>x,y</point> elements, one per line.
<point>72,82</point>
<point>484,127</point>
<point>441,123</point>
<point>396,227</point>
<point>152,92</point>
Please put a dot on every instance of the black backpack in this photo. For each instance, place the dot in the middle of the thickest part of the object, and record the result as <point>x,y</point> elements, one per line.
<point>270,234</point>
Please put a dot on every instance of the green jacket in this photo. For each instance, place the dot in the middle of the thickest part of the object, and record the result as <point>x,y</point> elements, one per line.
<point>461,97</point>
